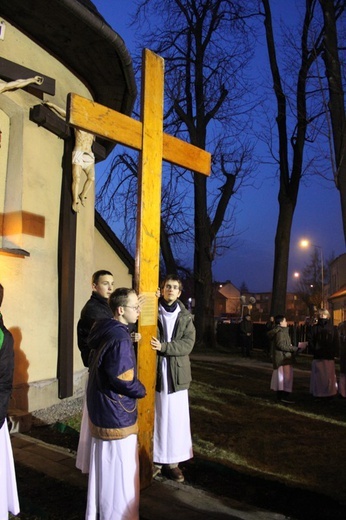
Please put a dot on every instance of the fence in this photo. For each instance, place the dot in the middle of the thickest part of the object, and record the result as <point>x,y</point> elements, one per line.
<point>227,335</point>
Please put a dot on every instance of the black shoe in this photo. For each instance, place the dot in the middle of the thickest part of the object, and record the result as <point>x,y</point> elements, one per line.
<point>173,473</point>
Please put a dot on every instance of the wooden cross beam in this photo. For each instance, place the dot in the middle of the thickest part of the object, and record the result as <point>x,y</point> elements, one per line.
<point>154,145</point>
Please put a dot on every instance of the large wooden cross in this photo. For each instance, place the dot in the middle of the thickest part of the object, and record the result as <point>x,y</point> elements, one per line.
<point>146,136</point>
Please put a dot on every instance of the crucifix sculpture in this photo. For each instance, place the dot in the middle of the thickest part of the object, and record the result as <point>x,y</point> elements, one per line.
<point>154,145</point>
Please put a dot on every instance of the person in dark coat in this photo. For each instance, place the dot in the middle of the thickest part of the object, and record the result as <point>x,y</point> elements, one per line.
<point>268,346</point>
<point>96,308</point>
<point>8,486</point>
<point>246,334</point>
<point>342,358</point>
<point>283,355</point>
<point>112,393</point>
<point>324,346</point>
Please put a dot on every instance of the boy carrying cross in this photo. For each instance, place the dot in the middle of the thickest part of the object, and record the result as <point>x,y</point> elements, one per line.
<point>112,393</point>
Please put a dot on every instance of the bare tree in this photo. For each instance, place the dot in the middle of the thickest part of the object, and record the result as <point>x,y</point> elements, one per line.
<point>309,286</point>
<point>116,200</point>
<point>205,45</point>
<point>304,108</point>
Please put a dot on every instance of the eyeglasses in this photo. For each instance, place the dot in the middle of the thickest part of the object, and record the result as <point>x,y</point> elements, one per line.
<point>136,308</point>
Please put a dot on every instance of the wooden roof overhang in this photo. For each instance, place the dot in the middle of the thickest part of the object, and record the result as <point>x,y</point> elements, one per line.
<point>76,34</point>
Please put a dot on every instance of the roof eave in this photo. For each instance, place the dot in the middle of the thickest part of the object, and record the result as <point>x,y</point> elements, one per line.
<point>78,36</point>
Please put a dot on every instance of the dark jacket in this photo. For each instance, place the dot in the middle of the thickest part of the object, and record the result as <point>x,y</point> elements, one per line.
<point>113,387</point>
<point>282,349</point>
<point>324,340</point>
<point>177,352</point>
<point>342,346</point>
<point>6,369</point>
<point>246,327</point>
<point>96,308</point>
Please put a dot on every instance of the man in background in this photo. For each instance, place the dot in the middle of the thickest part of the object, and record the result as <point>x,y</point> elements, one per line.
<point>246,331</point>
<point>96,308</point>
<point>324,346</point>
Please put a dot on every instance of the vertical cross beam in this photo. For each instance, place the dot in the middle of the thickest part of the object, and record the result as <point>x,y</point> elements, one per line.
<point>148,246</point>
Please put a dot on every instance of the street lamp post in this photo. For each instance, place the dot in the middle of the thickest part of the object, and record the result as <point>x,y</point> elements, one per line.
<point>306,243</point>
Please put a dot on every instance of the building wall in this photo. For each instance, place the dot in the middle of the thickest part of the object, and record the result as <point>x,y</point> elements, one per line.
<point>226,299</point>
<point>33,174</point>
<point>337,304</point>
<point>338,274</point>
<point>227,296</point>
<point>104,254</point>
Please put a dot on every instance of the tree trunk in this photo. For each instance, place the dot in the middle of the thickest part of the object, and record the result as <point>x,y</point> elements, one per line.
<point>289,183</point>
<point>282,247</point>
<point>336,100</point>
<point>166,251</point>
<point>204,302</point>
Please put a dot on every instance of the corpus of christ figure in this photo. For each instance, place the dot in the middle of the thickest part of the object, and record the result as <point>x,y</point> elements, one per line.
<point>83,160</point>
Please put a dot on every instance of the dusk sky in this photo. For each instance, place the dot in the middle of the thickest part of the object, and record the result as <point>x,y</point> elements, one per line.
<point>317,215</point>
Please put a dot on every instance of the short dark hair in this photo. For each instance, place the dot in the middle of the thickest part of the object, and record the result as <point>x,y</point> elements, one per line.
<point>172,277</point>
<point>278,319</point>
<point>119,298</point>
<point>1,294</point>
<point>96,276</point>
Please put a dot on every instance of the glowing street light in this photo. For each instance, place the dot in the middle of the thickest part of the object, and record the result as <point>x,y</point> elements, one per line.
<point>306,243</point>
<point>296,275</point>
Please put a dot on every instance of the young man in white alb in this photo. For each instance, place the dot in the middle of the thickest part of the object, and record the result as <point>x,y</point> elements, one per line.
<point>172,434</point>
<point>112,393</point>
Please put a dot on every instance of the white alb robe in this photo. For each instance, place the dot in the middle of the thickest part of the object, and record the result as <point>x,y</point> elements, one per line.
<point>113,488</point>
<point>172,432</point>
<point>323,381</point>
<point>342,385</point>
<point>8,485</point>
<point>282,379</point>
<point>84,443</point>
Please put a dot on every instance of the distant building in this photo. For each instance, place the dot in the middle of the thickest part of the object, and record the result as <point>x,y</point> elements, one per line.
<point>337,289</point>
<point>228,301</point>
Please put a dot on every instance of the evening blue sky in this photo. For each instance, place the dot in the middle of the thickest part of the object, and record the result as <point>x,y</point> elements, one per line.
<point>317,215</point>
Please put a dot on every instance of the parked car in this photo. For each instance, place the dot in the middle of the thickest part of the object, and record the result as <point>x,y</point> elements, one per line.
<point>226,318</point>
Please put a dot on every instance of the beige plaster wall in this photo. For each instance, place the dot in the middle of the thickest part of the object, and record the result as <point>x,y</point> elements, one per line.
<point>30,306</point>
<point>104,255</point>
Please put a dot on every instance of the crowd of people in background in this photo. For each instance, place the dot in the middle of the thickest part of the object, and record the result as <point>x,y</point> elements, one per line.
<point>283,342</point>
<point>323,341</point>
